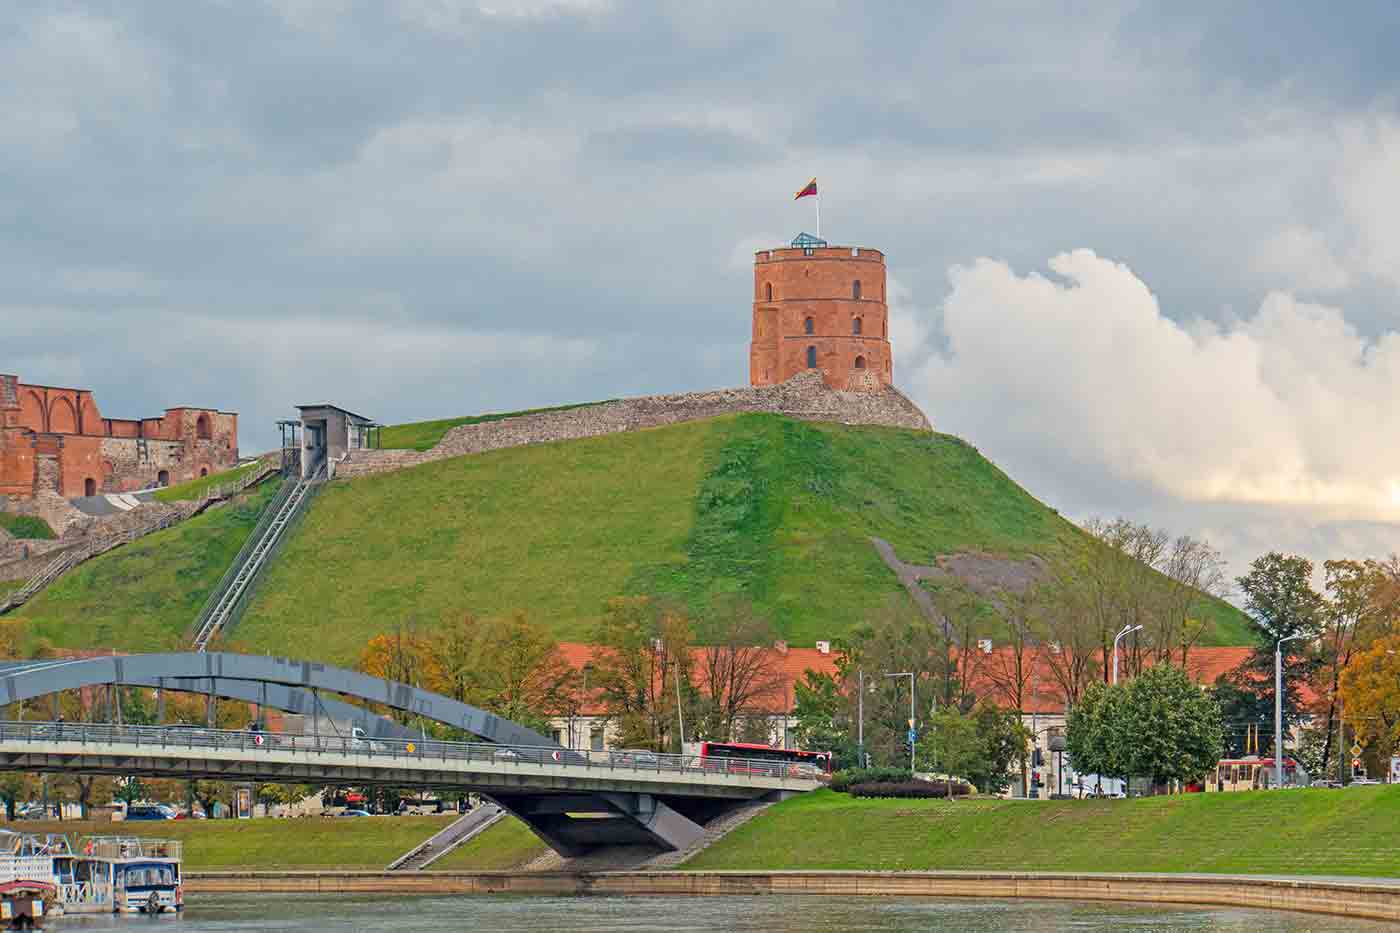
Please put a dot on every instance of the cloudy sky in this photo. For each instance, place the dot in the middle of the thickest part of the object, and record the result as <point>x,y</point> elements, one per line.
<point>1145,256</point>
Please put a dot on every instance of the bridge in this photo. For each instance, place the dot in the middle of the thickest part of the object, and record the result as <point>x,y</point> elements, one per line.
<point>575,801</point>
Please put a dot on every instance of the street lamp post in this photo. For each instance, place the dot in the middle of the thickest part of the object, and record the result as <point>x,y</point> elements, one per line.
<point>1127,629</point>
<point>1278,709</point>
<point>910,675</point>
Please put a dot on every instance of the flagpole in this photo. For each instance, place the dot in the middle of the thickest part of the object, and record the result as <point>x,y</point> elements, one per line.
<point>819,212</point>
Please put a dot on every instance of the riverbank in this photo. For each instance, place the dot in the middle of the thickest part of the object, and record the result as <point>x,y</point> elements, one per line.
<point>1349,833</point>
<point>1359,898</point>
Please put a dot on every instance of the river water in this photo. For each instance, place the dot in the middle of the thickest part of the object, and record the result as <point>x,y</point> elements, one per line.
<point>768,914</point>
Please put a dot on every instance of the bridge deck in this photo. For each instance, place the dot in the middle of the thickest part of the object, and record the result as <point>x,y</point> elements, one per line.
<point>260,756</point>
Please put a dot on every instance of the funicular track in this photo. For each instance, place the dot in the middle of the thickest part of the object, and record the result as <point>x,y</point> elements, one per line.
<point>230,597</point>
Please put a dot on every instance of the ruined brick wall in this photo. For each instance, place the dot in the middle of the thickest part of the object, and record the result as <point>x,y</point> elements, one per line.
<point>96,454</point>
<point>804,396</point>
<point>824,309</point>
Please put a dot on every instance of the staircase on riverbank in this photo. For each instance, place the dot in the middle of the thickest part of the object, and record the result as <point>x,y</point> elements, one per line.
<point>459,831</point>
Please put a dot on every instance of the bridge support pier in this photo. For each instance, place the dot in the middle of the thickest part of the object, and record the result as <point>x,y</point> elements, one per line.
<point>575,824</point>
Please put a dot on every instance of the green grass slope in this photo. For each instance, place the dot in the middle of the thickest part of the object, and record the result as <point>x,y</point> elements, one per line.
<point>1306,832</point>
<point>777,511</point>
<point>367,843</point>
<point>26,526</point>
<point>200,487</point>
<point>145,595</point>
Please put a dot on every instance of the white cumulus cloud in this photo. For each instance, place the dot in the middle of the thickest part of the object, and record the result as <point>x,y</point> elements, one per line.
<point>1080,373</point>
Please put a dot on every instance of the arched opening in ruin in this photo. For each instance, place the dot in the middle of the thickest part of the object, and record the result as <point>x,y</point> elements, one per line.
<point>163,478</point>
<point>770,291</point>
<point>811,357</point>
<point>63,419</point>
<point>860,362</point>
<point>201,428</point>
<point>809,325</point>
<point>856,326</point>
<point>203,471</point>
<point>89,487</point>
<point>855,289</point>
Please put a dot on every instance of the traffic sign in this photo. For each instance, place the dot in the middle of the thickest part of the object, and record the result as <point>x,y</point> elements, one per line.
<point>1356,762</point>
<point>913,736</point>
<point>1355,751</point>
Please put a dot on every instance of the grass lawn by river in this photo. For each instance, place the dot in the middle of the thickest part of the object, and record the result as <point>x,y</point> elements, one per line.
<point>369,843</point>
<point>1312,832</point>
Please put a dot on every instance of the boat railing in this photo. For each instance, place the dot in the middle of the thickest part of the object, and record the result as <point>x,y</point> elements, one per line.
<point>26,868</point>
<point>130,847</point>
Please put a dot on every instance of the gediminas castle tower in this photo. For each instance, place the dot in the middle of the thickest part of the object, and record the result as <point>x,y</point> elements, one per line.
<point>821,307</point>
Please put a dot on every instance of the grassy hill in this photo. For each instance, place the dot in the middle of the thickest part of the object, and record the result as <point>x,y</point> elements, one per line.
<point>1311,832</point>
<point>778,511</point>
<point>145,595</point>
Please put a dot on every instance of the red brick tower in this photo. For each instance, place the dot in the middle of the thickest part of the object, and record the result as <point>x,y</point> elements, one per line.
<point>820,307</point>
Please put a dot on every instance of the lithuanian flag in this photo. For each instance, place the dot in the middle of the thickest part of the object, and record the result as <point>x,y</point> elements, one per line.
<point>809,188</point>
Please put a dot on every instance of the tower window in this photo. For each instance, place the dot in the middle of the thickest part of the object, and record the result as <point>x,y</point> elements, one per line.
<point>808,325</point>
<point>770,291</point>
<point>860,362</point>
<point>811,357</point>
<point>855,326</point>
<point>855,289</point>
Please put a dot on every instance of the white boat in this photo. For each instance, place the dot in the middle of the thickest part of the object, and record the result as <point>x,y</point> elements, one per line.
<point>120,874</point>
<point>28,891</point>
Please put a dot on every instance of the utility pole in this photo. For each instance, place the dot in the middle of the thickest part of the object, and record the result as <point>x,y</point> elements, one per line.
<point>912,735</point>
<point>860,718</point>
<point>1278,709</point>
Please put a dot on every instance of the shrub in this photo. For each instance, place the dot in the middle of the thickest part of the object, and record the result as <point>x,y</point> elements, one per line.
<point>842,781</point>
<point>26,526</point>
<point>909,789</point>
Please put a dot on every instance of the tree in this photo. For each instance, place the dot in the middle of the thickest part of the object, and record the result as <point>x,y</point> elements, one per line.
<point>1091,732</point>
<point>1170,729</point>
<point>15,787</point>
<point>1280,602</point>
<point>824,721</point>
<point>1004,739</point>
<point>1370,689</point>
<point>508,665</point>
<point>739,678</point>
<point>951,746</point>
<point>643,660</point>
<point>129,790</point>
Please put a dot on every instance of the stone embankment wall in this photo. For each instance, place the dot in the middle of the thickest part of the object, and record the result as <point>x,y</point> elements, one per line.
<point>1376,900</point>
<point>804,396</point>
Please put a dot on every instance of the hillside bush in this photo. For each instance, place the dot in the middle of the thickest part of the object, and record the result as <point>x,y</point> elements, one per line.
<point>26,526</point>
<point>910,789</point>
<point>842,781</point>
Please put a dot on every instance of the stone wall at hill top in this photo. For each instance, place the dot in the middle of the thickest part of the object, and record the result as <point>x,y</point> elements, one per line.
<point>804,396</point>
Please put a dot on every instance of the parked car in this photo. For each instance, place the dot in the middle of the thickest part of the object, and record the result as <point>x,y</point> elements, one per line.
<point>354,813</point>
<point>144,811</point>
<point>506,754</point>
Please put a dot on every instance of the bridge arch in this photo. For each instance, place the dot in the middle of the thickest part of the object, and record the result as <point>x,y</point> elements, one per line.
<point>281,683</point>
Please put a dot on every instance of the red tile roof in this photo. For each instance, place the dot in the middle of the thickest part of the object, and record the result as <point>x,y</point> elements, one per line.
<point>1041,692</point>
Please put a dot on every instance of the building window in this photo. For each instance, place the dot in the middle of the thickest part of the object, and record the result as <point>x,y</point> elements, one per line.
<point>201,428</point>
<point>595,739</point>
<point>89,487</point>
<point>811,357</point>
<point>855,289</point>
<point>163,478</point>
<point>808,325</point>
<point>855,326</point>
<point>770,291</point>
<point>860,362</point>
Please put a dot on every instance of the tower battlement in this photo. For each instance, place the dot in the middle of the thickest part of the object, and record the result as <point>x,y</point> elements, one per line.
<point>818,306</point>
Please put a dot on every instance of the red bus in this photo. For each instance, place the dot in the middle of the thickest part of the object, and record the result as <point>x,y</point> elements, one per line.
<point>743,758</point>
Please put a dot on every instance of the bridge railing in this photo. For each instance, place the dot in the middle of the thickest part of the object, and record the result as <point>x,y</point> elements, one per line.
<point>200,737</point>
